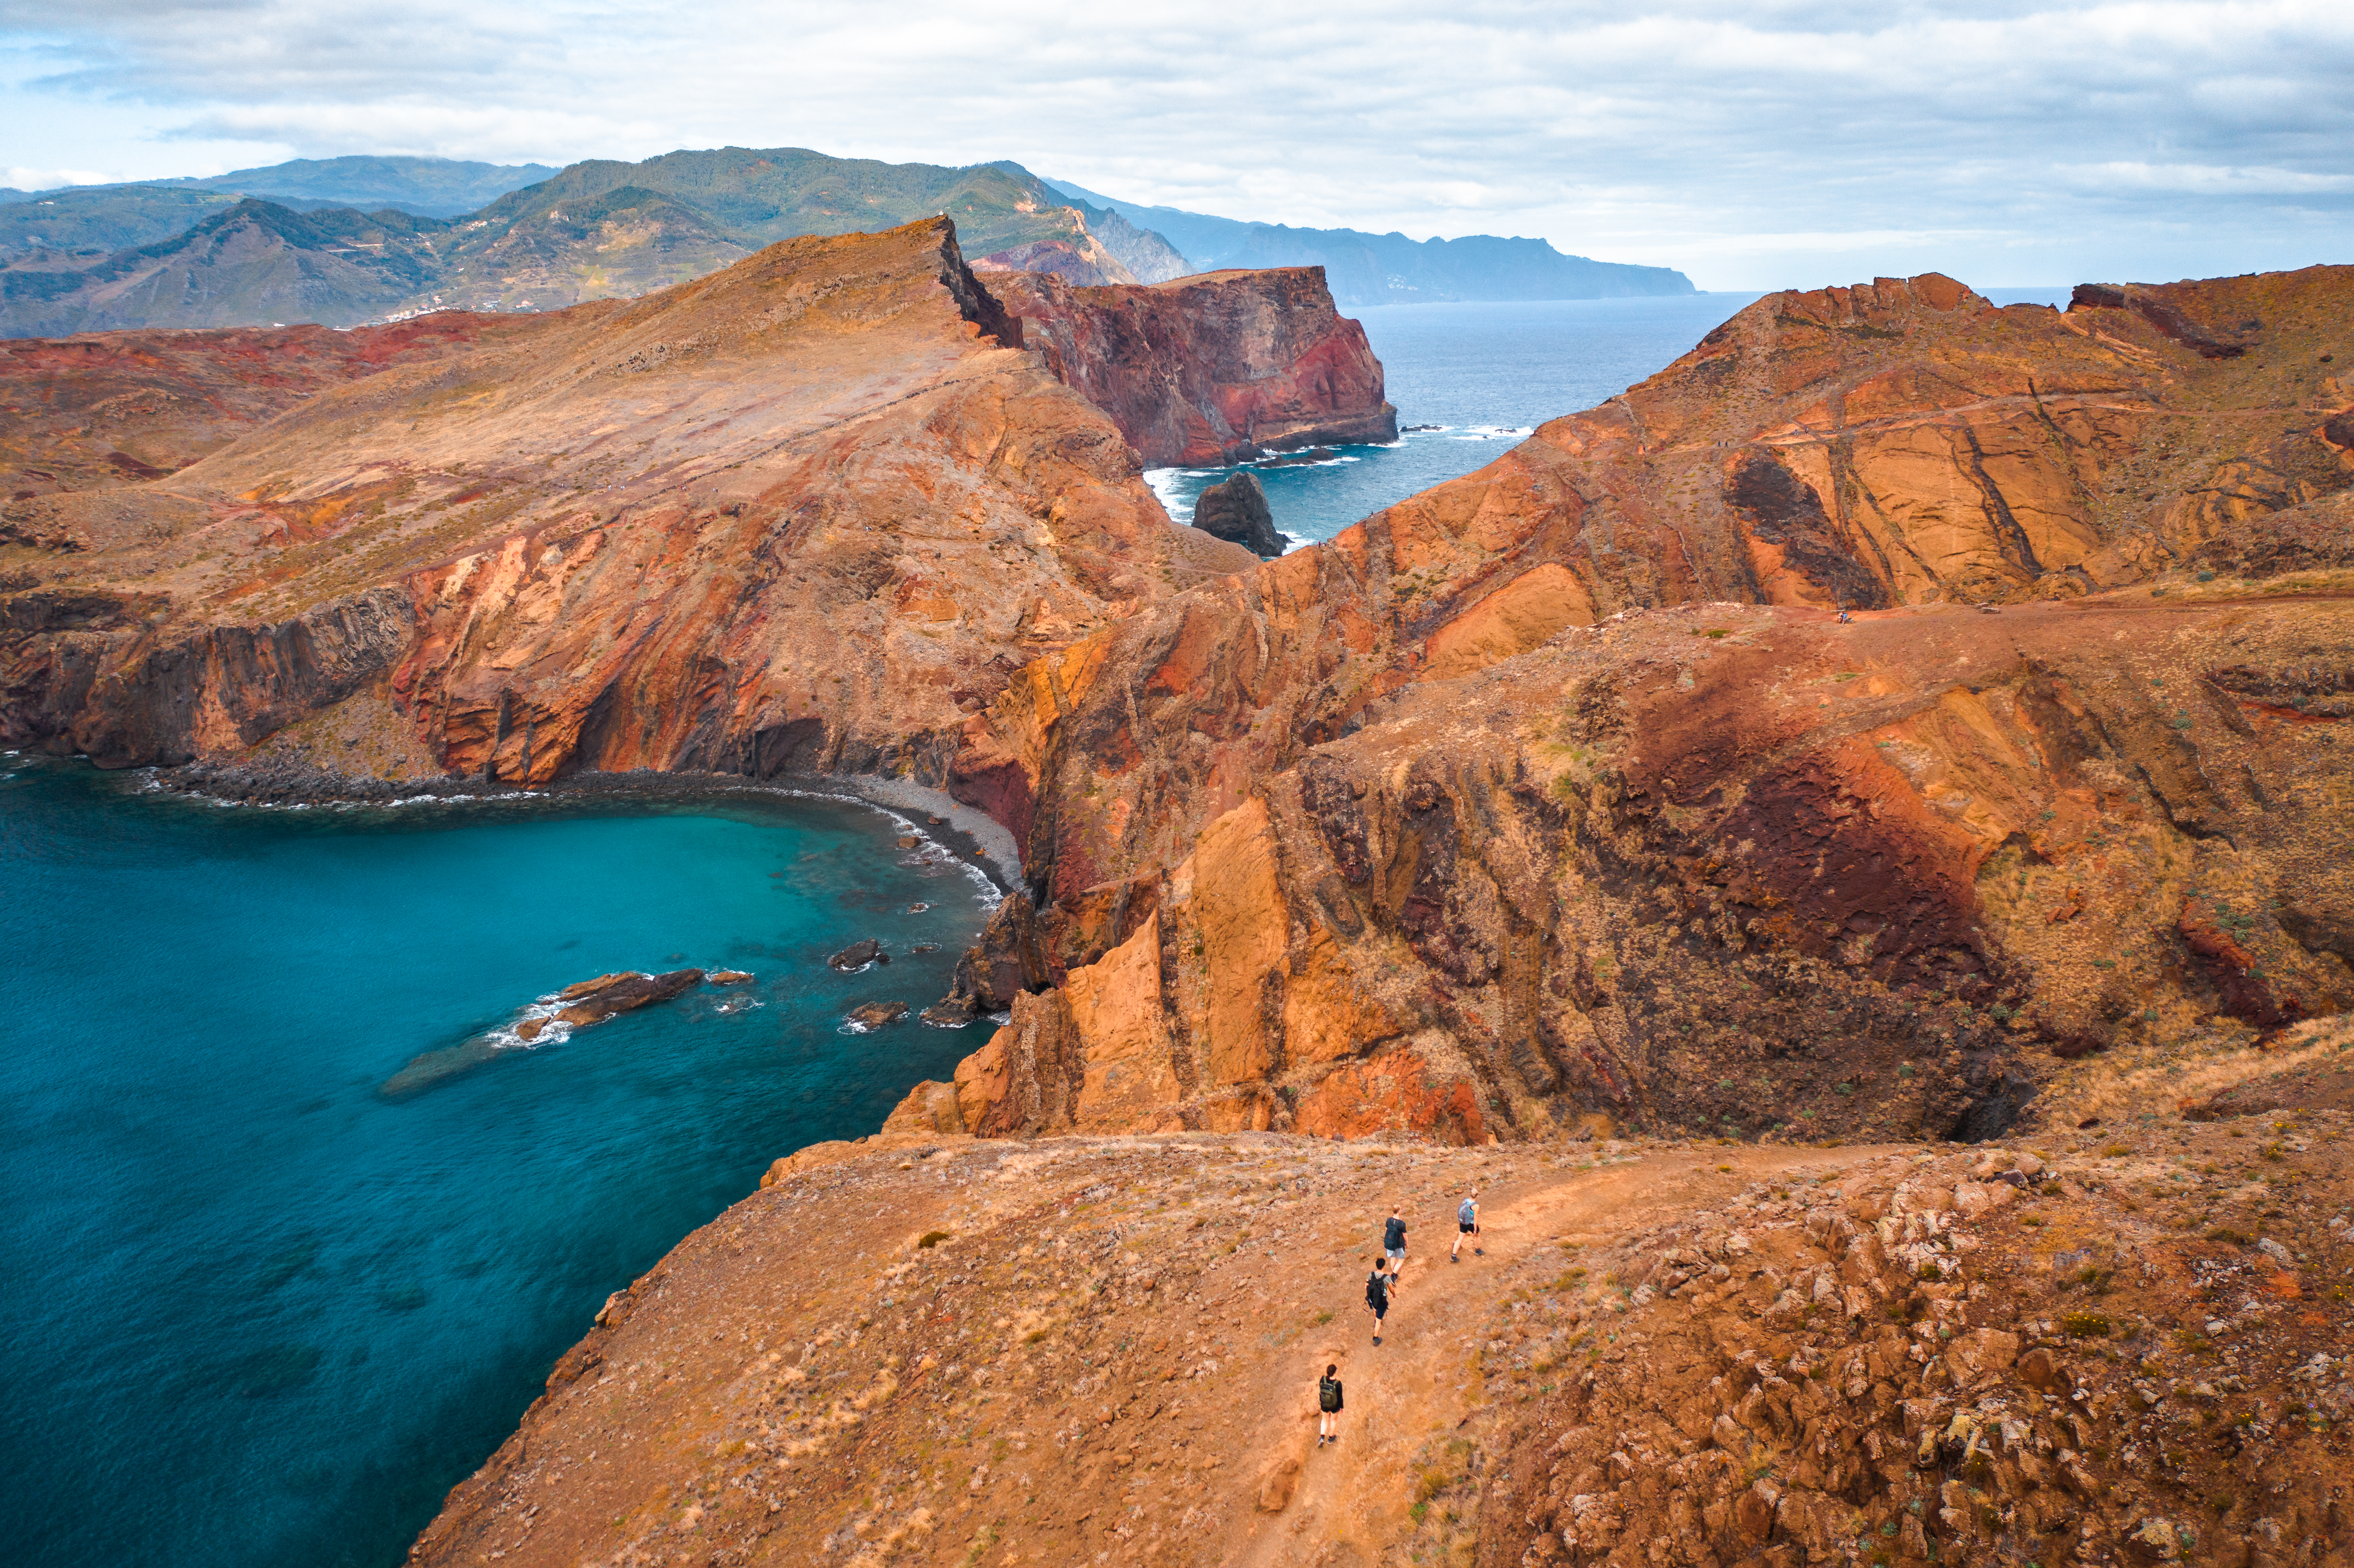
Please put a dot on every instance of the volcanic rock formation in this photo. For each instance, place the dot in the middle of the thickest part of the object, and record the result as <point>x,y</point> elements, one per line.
<point>1210,369</point>
<point>1235,510</point>
<point>803,515</point>
<point>1435,827</point>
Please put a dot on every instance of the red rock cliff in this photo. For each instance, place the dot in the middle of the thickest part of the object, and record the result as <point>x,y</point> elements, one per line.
<point>800,515</point>
<point>1413,815</point>
<point>1209,369</point>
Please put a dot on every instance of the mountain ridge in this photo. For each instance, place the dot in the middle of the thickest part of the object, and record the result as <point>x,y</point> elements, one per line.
<point>1367,269</point>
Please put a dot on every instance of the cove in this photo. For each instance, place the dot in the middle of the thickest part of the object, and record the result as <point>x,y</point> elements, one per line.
<point>263,1312</point>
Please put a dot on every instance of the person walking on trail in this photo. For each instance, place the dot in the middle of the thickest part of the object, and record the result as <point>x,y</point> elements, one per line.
<point>1377,1297</point>
<point>1394,1245</point>
<point>1467,1223</point>
<point>1328,1401</point>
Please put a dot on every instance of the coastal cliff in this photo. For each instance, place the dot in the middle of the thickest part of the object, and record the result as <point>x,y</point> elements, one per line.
<point>1211,369</point>
<point>1446,825</point>
<point>800,517</point>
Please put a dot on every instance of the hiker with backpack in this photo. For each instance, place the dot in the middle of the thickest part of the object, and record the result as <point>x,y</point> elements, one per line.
<point>1377,1296</point>
<point>1467,1223</point>
<point>1328,1401</point>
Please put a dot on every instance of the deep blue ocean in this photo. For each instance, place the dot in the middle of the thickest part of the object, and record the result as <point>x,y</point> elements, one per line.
<point>263,1312</point>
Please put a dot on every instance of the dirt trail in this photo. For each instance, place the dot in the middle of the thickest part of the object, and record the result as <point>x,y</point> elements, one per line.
<point>1422,1382</point>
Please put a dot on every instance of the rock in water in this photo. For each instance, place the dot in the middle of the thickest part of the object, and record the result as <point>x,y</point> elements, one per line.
<point>627,994</point>
<point>728,976</point>
<point>875,1014</point>
<point>1236,511</point>
<point>858,955</point>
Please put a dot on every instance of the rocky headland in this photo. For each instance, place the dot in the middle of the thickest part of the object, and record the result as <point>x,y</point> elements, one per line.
<point>1894,699</point>
<point>1212,369</point>
<point>1901,721</point>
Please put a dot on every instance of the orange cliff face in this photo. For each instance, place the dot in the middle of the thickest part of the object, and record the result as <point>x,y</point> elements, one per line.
<point>1213,368</point>
<point>1499,832</point>
<point>805,515</point>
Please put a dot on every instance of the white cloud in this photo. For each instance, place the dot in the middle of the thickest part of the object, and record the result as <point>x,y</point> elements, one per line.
<point>1754,144</point>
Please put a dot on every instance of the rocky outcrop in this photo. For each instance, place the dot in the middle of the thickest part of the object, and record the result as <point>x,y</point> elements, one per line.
<point>1207,370</point>
<point>1235,510</point>
<point>720,574</point>
<point>608,996</point>
<point>1742,867</point>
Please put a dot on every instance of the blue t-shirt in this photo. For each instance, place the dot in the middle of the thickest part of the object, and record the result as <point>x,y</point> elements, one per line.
<point>1393,1235</point>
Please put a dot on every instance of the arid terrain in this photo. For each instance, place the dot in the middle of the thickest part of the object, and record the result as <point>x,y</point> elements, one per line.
<point>2121,1344</point>
<point>1844,845</point>
<point>805,515</point>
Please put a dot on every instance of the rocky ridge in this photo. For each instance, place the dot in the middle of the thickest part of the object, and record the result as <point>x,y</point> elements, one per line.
<point>2121,1346</point>
<point>1993,720</point>
<point>569,543</point>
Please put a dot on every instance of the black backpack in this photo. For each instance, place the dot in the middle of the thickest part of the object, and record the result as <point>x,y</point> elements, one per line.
<point>1328,1394</point>
<point>1377,1293</point>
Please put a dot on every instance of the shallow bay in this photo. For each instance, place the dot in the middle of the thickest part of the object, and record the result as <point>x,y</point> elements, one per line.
<point>264,1312</point>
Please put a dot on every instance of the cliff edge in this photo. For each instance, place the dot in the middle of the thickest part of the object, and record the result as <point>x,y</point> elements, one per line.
<point>1894,699</point>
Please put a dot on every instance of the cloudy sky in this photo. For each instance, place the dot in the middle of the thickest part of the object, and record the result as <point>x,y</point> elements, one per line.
<point>1780,143</point>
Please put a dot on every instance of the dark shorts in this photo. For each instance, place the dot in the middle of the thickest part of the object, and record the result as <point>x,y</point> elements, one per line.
<point>1379,1312</point>
<point>1467,1226</point>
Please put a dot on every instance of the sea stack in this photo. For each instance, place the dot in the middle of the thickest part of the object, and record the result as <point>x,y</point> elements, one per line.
<point>1236,511</point>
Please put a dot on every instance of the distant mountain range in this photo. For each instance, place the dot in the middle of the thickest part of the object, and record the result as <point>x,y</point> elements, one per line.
<point>345,240</point>
<point>1389,269</point>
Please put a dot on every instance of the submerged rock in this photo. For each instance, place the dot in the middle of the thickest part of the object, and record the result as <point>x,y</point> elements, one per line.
<point>858,955</point>
<point>1238,513</point>
<point>875,1014</point>
<point>626,993</point>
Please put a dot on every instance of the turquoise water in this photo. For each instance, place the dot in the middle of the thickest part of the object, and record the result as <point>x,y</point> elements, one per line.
<point>1485,376</point>
<point>262,1313</point>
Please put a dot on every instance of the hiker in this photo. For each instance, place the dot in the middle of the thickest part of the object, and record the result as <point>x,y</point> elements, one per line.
<point>1394,1245</point>
<point>1467,1223</point>
<point>1377,1296</point>
<point>1328,1401</point>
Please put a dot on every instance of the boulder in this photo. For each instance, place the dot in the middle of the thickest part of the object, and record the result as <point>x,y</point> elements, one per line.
<point>858,955</point>
<point>1236,511</point>
<point>629,993</point>
<point>529,1028</point>
<point>875,1014</point>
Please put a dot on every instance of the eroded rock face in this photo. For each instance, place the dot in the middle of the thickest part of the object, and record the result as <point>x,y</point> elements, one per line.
<point>668,532</point>
<point>1212,369</point>
<point>1739,867</point>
